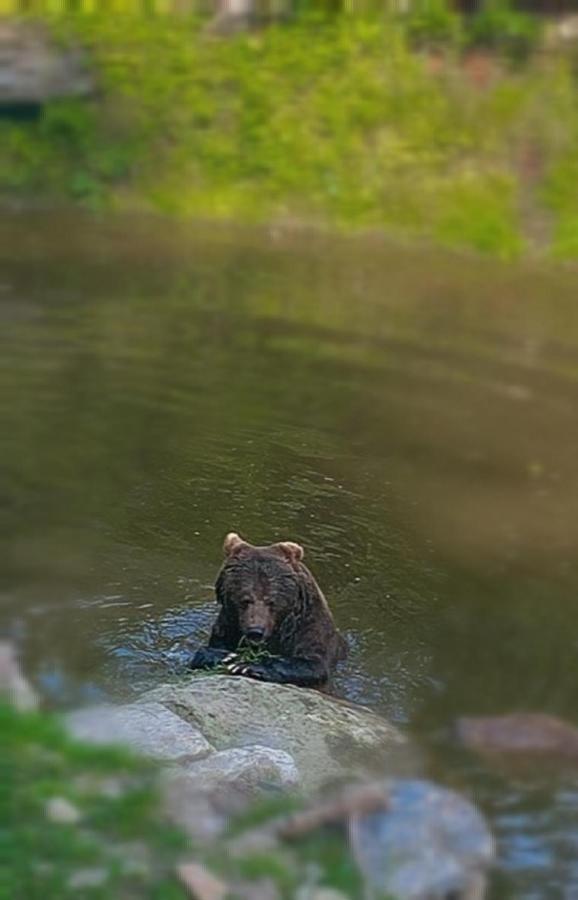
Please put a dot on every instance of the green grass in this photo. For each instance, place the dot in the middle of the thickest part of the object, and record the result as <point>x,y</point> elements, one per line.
<point>324,851</point>
<point>38,858</point>
<point>336,121</point>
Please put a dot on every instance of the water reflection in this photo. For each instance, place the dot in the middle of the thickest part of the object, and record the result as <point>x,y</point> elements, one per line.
<point>409,417</point>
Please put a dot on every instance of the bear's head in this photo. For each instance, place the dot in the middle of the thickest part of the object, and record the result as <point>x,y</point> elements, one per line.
<point>261,587</point>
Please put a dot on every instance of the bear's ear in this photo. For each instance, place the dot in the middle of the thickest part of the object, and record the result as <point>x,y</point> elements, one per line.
<point>293,552</point>
<point>233,544</point>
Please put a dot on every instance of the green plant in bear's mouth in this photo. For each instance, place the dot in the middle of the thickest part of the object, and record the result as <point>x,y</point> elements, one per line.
<point>252,653</point>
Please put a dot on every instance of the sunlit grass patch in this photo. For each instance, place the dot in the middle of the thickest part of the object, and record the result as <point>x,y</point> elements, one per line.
<point>479,211</point>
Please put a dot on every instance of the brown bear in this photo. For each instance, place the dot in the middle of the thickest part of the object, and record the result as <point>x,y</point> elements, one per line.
<point>270,600</point>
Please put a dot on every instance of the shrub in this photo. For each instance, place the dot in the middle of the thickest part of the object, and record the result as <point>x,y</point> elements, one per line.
<point>433,23</point>
<point>500,28</point>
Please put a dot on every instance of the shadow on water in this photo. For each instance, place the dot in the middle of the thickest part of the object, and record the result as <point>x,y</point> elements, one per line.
<point>410,417</point>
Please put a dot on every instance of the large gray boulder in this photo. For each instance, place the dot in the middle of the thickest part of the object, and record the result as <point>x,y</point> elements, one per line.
<point>328,738</point>
<point>427,843</point>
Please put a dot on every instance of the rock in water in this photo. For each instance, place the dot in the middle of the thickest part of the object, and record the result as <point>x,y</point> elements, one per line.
<point>328,738</point>
<point>520,733</point>
<point>426,843</point>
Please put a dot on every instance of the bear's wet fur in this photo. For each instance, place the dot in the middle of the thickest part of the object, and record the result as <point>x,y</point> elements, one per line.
<point>270,601</point>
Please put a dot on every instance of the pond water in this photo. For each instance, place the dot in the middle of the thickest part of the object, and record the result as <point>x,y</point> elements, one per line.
<point>409,416</point>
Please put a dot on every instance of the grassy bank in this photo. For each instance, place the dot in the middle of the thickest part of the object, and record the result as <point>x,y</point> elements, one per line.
<point>348,122</point>
<point>79,821</point>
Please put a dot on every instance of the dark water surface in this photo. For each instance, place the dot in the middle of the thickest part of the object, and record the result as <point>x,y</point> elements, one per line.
<point>410,417</point>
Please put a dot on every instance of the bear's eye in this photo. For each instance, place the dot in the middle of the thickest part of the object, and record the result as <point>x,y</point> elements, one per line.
<point>276,602</point>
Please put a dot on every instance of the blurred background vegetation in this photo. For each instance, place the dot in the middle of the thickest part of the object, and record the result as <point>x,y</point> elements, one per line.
<point>453,122</point>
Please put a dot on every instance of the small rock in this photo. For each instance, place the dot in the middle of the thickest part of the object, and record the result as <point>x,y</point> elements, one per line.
<point>319,893</point>
<point>190,809</point>
<point>134,857</point>
<point>112,788</point>
<point>201,797</point>
<point>567,29</point>
<point>42,869</point>
<point>522,733</point>
<point>328,894</point>
<point>264,889</point>
<point>246,769</point>
<point>61,811</point>
<point>13,684</point>
<point>257,841</point>
<point>87,878</point>
<point>148,728</point>
<point>200,883</point>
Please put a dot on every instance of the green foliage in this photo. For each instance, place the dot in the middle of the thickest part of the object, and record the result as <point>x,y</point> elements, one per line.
<point>562,199</point>
<point>333,120</point>
<point>433,23</point>
<point>67,153</point>
<point>327,849</point>
<point>256,866</point>
<point>323,850</point>
<point>499,27</point>
<point>480,213</point>
<point>566,237</point>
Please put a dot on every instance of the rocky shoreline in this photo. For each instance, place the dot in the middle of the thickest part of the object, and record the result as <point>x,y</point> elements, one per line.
<point>223,740</point>
<point>224,744</point>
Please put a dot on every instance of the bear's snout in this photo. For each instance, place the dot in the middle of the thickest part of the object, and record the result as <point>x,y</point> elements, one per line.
<point>255,635</point>
<point>256,621</point>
